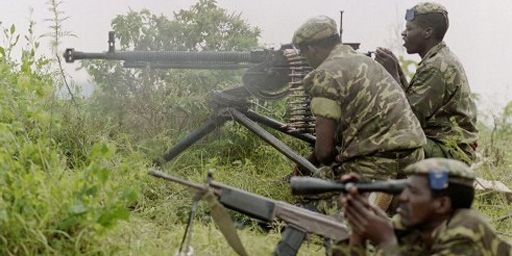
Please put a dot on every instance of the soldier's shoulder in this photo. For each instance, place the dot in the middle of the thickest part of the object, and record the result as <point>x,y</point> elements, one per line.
<point>467,218</point>
<point>342,57</point>
<point>320,77</point>
<point>444,60</point>
<point>469,226</point>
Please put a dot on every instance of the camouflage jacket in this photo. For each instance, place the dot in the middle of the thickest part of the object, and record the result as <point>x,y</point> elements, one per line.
<point>440,97</point>
<point>371,109</point>
<point>465,233</point>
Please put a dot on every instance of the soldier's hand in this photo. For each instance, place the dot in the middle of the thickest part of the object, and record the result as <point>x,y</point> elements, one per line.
<point>388,60</point>
<point>367,221</point>
<point>299,171</point>
<point>389,53</point>
<point>351,177</point>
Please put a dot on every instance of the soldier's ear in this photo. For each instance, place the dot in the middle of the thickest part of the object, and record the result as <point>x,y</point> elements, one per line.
<point>428,32</point>
<point>442,204</point>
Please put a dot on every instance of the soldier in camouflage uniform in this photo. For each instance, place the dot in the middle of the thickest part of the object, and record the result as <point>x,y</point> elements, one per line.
<point>363,121</point>
<point>434,216</point>
<point>438,93</point>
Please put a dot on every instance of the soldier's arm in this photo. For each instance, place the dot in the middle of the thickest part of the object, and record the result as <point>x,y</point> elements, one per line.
<point>326,108</point>
<point>368,222</point>
<point>403,80</point>
<point>325,146</point>
<point>426,93</point>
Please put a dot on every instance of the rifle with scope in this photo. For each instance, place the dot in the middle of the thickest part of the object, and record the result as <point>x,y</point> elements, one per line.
<point>299,221</point>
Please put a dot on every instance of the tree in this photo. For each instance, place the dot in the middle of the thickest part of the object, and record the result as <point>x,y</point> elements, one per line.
<point>147,102</point>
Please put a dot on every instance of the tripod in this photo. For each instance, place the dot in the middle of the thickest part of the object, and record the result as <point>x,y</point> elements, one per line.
<point>232,104</point>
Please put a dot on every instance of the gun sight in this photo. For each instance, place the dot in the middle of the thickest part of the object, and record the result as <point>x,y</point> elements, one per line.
<point>310,186</point>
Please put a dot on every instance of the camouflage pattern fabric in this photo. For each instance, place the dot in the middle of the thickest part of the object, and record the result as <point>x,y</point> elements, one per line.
<point>440,97</point>
<point>372,114</point>
<point>378,134</point>
<point>465,233</point>
<point>429,7</point>
<point>314,29</point>
<point>458,172</point>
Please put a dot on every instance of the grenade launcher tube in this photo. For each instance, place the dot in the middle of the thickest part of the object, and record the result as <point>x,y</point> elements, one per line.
<point>310,185</point>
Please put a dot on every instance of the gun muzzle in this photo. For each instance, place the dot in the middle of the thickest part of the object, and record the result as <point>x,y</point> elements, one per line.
<point>309,186</point>
<point>68,55</point>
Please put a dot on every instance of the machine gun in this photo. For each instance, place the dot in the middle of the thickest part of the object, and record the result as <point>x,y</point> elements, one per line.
<point>270,75</point>
<point>267,76</point>
<point>299,221</point>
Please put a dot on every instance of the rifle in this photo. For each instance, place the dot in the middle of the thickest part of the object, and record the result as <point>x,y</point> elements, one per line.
<point>299,221</point>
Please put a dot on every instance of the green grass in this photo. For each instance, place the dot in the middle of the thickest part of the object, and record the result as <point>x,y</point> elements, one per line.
<point>496,164</point>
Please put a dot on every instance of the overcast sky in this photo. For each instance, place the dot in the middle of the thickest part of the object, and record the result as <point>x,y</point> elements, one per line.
<point>479,31</point>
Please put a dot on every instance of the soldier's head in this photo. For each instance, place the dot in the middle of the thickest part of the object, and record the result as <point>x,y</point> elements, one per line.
<point>436,188</point>
<point>426,22</point>
<point>316,38</point>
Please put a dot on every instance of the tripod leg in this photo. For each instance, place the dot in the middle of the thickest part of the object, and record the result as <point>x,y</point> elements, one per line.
<point>274,124</point>
<point>193,137</point>
<point>269,138</point>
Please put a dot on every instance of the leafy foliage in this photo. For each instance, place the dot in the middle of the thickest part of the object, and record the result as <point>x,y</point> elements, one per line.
<point>153,102</point>
<point>45,207</point>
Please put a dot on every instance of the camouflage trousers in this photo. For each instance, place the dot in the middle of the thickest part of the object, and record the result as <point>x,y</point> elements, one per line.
<point>462,152</point>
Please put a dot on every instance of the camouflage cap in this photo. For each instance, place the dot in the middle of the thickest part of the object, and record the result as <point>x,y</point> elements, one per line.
<point>425,8</point>
<point>314,29</point>
<point>453,171</point>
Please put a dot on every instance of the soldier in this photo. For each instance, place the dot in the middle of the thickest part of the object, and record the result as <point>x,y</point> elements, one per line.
<point>363,121</point>
<point>433,216</point>
<point>438,93</point>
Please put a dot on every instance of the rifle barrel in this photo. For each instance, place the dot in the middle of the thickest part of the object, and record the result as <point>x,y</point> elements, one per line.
<point>164,176</point>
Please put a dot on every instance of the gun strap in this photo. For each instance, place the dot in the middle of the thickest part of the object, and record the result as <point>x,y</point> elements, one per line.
<point>226,226</point>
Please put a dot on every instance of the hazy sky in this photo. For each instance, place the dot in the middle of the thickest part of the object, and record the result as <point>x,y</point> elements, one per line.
<point>479,31</point>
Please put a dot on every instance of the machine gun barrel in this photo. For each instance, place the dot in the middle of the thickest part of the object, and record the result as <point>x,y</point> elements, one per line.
<point>183,59</point>
<point>309,185</point>
<point>71,55</point>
